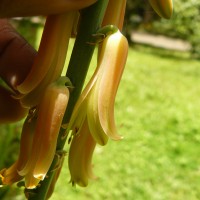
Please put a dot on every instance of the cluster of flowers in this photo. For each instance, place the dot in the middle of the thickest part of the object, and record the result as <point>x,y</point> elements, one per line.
<point>43,95</point>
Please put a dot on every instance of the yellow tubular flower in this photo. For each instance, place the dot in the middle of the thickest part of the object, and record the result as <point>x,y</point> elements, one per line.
<point>58,97</point>
<point>30,181</point>
<point>112,62</point>
<point>52,57</point>
<point>80,156</point>
<point>96,103</point>
<point>10,108</point>
<point>101,102</point>
<point>50,113</point>
<point>52,50</point>
<point>164,8</point>
<point>115,13</point>
<point>20,8</point>
<point>10,175</point>
<point>79,111</point>
<point>26,142</point>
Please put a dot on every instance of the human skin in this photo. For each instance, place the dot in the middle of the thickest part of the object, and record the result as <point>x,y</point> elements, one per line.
<point>16,55</point>
<point>20,8</point>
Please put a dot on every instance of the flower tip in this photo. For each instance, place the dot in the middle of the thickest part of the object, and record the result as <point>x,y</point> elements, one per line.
<point>82,183</point>
<point>31,187</point>
<point>79,182</point>
<point>1,180</point>
<point>39,176</point>
<point>119,137</point>
<point>163,8</point>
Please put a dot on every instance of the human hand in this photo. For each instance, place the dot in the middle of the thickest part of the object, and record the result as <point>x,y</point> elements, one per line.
<point>16,55</point>
<point>16,59</point>
<point>20,8</point>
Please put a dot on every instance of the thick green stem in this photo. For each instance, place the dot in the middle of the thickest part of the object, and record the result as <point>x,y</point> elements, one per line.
<point>91,19</point>
<point>83,51</point>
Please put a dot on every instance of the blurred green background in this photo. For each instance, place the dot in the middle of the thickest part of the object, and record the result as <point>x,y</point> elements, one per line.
<point>157,112</point>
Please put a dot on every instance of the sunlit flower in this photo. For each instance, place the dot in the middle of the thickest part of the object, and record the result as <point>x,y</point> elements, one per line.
<point>164,8</point>
<point>50,114</point>
<point>92,120</point>
<point>49,62</point>
<point>11,175</point>
<point>97,100</point>
<point>39,138</point>
<point>115,13</point>
<point>80,156</point>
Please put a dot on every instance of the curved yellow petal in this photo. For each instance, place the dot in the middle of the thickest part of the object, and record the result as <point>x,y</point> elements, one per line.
<point>50,59</point>
<point>164,8</point>
<point>94,124</point>
<point>57,96</point>
<point>80,156</point>
<point>10,176</point>
<point>26,142</point>
<point>114,54</point>
<point>80,108</point>
<point>115,13</point>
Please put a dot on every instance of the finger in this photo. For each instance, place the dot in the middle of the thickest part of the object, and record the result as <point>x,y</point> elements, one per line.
<point>10,108</point>
<point>16,55</point>
<point>16,8</point>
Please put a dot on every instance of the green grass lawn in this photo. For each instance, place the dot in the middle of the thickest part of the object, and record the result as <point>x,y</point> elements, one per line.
<point>158,113</point>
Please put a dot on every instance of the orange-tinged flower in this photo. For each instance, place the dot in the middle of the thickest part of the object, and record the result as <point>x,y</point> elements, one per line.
<point>50,114</point>
<point>112,62</point>
<point>96,103</point>
<point>92,120</point>
<point>58,97</point>
<point>164,8</point>
<point>26,142</point>
<point>11,175</point>
<point>39,138</point>
<point>115,13</point>
<point>52,51</point>
<point>50,60</point>
<point>20,8</point>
